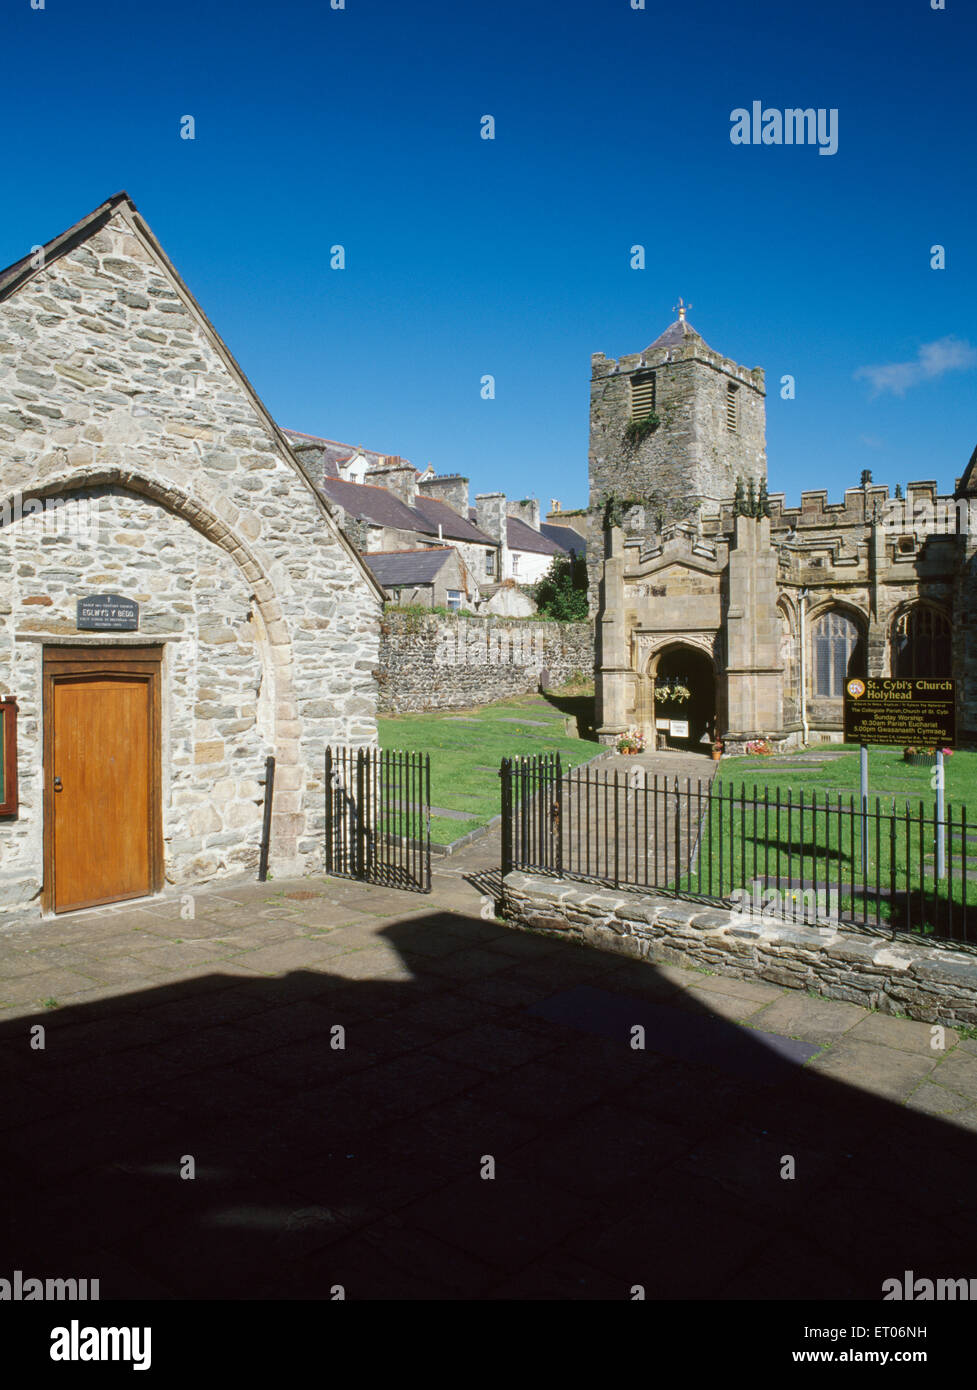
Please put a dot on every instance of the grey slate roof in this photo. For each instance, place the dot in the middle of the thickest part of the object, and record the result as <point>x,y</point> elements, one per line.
<point>392,567</point>
<point>522,537</point>
<point>677,334</point>
<point>432,511</point>
<point>382,508</point>
<point>565,537</point>
<point>374,504</point>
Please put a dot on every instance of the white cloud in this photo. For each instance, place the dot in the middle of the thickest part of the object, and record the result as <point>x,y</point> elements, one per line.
<point>932,360</point>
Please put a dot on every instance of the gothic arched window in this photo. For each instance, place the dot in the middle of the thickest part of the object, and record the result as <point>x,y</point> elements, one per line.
<point>839,652</point>
<point>921,643</point>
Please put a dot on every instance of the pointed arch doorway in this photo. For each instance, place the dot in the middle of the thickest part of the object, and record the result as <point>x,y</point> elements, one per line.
<point>689,666</point>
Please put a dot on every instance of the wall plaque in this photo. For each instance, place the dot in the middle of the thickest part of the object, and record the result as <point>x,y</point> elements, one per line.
<point>107,613</point>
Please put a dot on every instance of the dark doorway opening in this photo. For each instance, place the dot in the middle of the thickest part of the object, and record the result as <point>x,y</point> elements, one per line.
<point>685,666</point>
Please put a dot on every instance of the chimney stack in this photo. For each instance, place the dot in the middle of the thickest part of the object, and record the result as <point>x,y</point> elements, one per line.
<point>396,475</point>
<point>527,510</point>
<point>450,488</point>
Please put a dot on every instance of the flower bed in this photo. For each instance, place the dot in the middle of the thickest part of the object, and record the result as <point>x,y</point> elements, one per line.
<point>923,755</point>
<point>759,748</point>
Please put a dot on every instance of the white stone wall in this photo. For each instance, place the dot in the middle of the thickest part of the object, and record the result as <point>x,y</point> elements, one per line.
<point>114,390</point>
<point>530,568</point>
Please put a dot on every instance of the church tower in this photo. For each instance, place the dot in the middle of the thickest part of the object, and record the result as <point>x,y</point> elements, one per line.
<point>676,424</point>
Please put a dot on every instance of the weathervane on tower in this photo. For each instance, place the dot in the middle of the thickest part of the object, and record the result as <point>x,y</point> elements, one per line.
<point>681,307</point>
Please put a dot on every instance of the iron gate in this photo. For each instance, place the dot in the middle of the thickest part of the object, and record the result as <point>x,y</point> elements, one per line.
<point>378,816</point>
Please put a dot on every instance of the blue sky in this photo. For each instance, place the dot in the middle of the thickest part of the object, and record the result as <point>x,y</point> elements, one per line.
<point>468,257</point>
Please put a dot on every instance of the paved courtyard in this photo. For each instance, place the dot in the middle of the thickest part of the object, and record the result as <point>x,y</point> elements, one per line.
<point>400,1095</point>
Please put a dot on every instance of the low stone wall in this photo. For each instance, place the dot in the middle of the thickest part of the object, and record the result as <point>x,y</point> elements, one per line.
<point>438,662</point>
<point>896,974</point>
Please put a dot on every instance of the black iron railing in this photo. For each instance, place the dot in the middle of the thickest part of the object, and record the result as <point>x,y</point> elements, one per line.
<point>802,856</point>
<point>378,816</point>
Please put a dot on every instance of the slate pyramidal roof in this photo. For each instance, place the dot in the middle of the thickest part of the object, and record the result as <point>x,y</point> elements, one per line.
<point>677,334</point>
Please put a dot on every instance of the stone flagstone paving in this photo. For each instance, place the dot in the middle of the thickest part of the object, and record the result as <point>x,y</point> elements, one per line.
<point>468,1139</point>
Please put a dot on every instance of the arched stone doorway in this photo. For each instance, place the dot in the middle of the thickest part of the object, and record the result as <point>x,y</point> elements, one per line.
<point>693,668</point>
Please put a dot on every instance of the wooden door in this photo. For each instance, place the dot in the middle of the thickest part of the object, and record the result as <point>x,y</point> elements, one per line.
<point>102,804</point>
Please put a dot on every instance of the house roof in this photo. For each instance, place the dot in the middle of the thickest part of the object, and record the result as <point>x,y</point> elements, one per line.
<point>20,272</point>
<point>374,504</point>
<point>522,537</point>
<point>565,537</point>
<point>393,567</point>
<point>433,511</point>
<point>332,451</point>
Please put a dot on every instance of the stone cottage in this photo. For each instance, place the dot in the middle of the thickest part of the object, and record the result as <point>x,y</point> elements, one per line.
<point>702,582</point>
<point>434,578</point>
<point>176,600</point>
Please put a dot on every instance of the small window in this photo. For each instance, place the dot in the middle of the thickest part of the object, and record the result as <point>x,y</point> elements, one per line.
<point>454,599</point>
<point>642,395</point>
<point>8,756</point>
<point>732,407</point>
<point>490,562</point>
<point>907,545</point>
<point>515,564</point>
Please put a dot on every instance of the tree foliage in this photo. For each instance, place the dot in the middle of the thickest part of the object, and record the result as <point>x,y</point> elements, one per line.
<point>562,591</point>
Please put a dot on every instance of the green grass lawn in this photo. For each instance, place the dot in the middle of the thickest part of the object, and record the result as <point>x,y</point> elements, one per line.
<point>467,747</point>
<point>802,841</point>
<point>888,775</point>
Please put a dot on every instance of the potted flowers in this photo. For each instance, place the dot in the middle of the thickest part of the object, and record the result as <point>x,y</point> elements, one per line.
<point>672,690</point>
<point>632,742</point>
<point>717,749</point>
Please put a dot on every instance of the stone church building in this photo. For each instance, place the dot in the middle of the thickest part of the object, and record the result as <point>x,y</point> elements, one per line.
<point>176,600</point>
<point>701,582</point>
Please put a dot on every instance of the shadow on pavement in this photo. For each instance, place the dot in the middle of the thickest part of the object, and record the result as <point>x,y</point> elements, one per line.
<point>362,1166</point>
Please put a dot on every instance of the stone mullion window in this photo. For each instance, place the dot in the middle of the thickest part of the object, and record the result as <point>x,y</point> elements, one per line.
<point>837,645</point>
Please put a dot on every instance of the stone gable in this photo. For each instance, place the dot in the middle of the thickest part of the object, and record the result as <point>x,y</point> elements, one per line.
<point>117,396</point>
